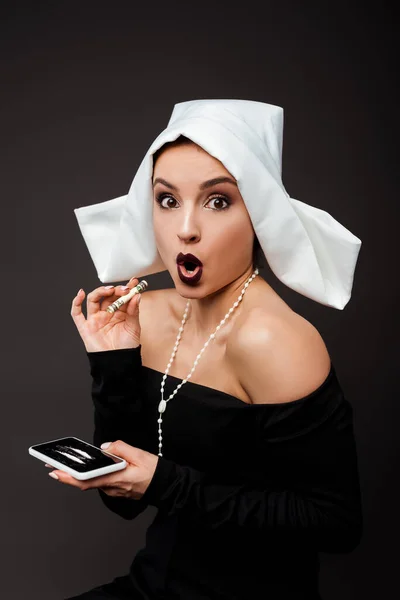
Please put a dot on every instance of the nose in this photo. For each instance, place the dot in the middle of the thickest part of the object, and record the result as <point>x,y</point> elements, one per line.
<point>188,231</point>
<point>188,238</point>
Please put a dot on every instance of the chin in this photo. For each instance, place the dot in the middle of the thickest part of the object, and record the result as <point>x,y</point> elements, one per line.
<point>189,291</point>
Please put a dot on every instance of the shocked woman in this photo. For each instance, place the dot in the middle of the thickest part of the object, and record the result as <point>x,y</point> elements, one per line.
<point>221,398</point>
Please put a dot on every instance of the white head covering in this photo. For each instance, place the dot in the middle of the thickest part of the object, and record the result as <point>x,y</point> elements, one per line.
<point>306,248</point>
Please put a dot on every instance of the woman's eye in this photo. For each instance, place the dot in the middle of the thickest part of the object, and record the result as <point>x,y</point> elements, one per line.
<point>163,197</point>
<point>219,200</point>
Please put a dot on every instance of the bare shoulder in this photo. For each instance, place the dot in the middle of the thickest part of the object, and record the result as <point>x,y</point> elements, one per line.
<point>278,356</point>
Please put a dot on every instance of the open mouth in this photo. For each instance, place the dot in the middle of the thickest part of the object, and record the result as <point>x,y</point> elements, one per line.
<point>189,267</point>
<point>189,273</point>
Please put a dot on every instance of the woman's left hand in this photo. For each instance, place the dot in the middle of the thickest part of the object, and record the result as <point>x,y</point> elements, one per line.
<point>131,482</point>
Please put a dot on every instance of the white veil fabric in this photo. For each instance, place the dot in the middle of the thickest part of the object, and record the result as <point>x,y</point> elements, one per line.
<point>305,247</point>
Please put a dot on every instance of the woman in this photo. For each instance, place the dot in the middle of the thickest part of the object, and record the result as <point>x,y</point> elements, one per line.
<point>252,464</point>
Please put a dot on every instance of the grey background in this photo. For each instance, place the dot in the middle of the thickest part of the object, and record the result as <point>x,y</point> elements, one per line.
<point>85,88</point>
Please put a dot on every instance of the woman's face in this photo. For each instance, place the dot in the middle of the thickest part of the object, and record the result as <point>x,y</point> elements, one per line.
<point>208,220</point>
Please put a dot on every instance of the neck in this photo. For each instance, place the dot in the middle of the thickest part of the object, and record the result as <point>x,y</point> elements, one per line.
<point>206,313</point>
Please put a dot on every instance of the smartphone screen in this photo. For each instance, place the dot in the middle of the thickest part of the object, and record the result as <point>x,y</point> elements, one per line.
<point>76,454</point>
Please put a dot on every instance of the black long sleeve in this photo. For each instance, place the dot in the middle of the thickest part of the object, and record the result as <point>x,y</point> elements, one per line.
<point>323,507</point>
<point>117,400</point>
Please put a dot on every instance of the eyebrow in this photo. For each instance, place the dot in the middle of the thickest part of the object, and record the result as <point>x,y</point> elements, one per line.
<point>202,186</point>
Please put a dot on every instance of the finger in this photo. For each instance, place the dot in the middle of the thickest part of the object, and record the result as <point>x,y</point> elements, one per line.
<point>131,454</point>
<point>95,297</point>
<point>133,281</point>
<point>120,290</point>
<point>83,485</point>
<point>106,481</point>
<point>132,308</point>
<point>76,310</point>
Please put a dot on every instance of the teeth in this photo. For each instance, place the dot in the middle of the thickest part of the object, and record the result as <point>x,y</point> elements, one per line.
<point>189,271</point>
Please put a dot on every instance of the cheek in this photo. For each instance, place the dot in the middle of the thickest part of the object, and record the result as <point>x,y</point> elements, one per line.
<point>160,231</point>
<point>235,235</point>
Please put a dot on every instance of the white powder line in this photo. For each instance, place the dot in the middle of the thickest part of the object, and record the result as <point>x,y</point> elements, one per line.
<point>78,460</point>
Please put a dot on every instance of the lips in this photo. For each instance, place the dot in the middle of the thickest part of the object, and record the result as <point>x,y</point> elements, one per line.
<point>188,258</point>
<point>190,261</point>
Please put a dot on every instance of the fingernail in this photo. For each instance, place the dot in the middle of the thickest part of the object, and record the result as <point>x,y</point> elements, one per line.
<point>108,287</point>
<point>139,299</point>
<point>79,292</point>
<point>53,475</point>
<point>105,445</point>
<point>124,287</point>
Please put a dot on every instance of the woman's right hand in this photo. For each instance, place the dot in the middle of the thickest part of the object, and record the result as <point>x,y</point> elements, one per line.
<point>102,330</point>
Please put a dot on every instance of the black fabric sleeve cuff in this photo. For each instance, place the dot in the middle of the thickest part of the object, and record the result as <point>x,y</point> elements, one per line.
<point>164,474</point>
<point>107,359</point>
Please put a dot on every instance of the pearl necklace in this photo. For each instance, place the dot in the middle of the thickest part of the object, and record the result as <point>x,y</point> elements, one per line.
<point>163,404</point>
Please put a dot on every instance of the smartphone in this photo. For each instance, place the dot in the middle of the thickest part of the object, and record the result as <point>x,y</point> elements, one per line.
<point>76,457</point>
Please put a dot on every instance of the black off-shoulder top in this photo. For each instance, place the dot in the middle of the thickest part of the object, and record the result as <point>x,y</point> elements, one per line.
<point>247,494</point>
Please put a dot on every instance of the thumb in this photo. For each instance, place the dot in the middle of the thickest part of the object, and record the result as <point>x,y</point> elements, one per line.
<point>123,450</point>
<point>133,306</point>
